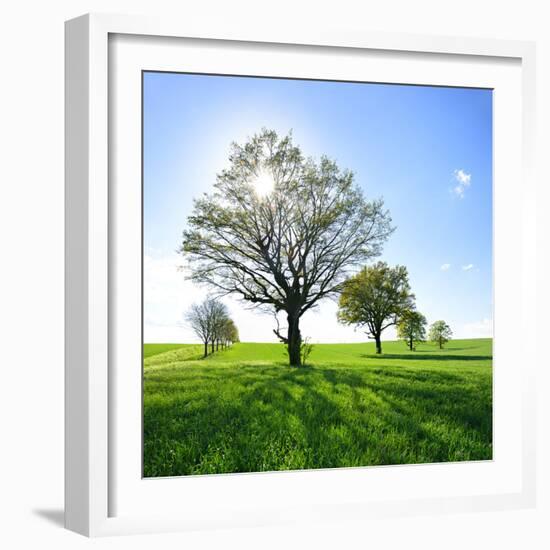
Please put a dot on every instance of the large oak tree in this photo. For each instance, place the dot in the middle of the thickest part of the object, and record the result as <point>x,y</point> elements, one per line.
<point>282,231</point>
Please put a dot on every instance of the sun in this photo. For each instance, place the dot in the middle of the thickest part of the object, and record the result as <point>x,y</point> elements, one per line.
<point>263,183</point>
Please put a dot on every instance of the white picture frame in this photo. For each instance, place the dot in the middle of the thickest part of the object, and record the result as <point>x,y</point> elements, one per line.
<point>95,482</point>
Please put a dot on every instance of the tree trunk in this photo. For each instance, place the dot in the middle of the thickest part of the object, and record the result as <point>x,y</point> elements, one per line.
<point>440,343</point>
<point>294,340</point>
<point>378,343</point>
<point>411,344</point>
<point>206,348</point>
<point>212,346</point>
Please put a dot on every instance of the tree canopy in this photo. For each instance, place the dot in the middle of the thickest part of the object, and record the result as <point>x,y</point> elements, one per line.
<point>229,333</point>
<point>282,231</point>
<point>375,298</point>
<point>411,328</point>
<point>440,333</point>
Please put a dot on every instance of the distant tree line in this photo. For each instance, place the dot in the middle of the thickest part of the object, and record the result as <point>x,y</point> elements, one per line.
<point>211,323</point>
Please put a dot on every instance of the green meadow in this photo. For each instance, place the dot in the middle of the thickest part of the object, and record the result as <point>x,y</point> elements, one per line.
<point>245,410</point>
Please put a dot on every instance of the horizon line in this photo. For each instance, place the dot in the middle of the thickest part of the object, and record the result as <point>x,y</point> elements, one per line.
<point>322,343</point>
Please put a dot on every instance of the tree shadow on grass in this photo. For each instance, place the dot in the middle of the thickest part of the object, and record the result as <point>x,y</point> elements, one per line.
<point>255,431</point>
<point>402,374</point>
<point>339,376</point>
<point>421,356</point>
<point>309,418</point>
<point>444,394</point>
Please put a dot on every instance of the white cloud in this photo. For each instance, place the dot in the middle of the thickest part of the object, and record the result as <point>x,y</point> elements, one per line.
<point>478,329</point>
<point>467,267</point>
<point>462,177</point>
<point>445,267</point>
<point>463,182</point>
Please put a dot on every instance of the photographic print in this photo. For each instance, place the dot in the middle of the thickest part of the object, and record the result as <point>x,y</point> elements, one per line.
<point>317,274</point>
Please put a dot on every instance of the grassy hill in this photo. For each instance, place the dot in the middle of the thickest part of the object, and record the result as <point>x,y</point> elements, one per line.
<point>245,410</point>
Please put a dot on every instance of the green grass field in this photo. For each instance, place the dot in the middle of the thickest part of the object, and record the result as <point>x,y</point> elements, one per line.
<point>245,410</point>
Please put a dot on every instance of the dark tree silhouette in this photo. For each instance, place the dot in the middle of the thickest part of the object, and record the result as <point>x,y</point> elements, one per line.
<point>282,231</point>
<point>209,321</point>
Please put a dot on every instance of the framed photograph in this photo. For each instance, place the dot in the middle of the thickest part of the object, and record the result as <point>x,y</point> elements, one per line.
<point>298,271</point>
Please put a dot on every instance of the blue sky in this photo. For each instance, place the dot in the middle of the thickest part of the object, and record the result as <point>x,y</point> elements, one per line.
<point>426,150</point>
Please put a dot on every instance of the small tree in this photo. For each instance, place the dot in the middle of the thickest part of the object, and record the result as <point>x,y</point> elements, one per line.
<point>232,332</point>
<point>229,333</point>
<point>306,349</point>
<point>411,328</point>
<point>219,315</point>
<point>375,298</point>
<point>224,334</point>
<point>440,333</point>
<point>198,319</point>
